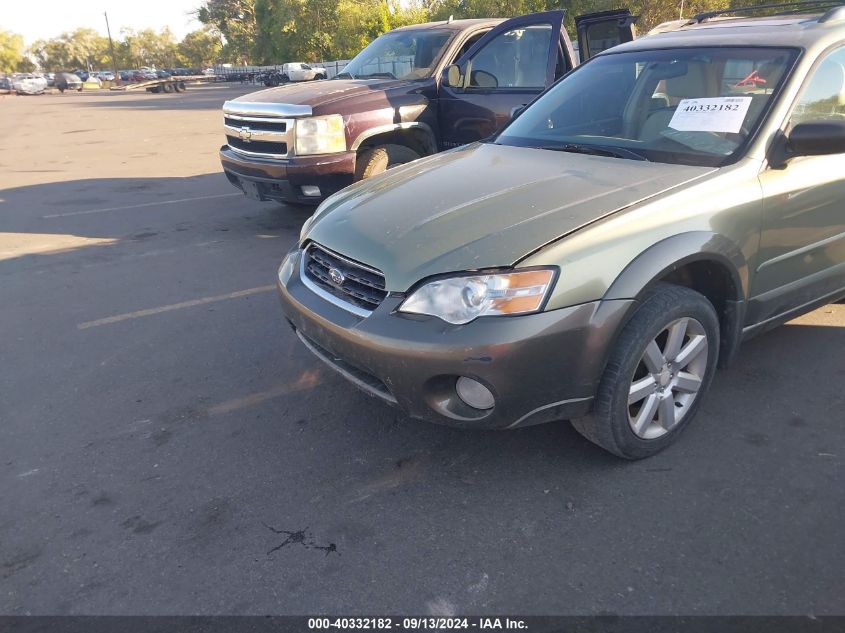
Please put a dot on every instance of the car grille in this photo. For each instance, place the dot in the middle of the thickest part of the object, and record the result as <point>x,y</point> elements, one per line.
<point>257,147</point>
<point>362,286</point>
<point>257,124</point>
<point>261,136</point>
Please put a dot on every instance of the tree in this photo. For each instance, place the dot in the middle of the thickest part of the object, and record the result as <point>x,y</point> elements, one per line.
<point>11,51</point>
<point>235,21</point>
<point>83,48</point>
<point>199,48</point>
<point>148,48</point>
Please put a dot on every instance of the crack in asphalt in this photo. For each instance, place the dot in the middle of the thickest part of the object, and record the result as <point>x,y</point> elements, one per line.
<point>303,537</point>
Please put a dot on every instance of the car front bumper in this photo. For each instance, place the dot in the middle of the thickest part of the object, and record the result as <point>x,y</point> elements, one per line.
<point>539,367</point>
<point>282,180</point>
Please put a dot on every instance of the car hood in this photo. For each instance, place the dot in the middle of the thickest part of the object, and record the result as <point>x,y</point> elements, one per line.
<point>481,206</point>
<point>319,94</point>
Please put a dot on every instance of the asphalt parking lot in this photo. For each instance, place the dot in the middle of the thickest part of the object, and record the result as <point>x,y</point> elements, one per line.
<point>167,446</point>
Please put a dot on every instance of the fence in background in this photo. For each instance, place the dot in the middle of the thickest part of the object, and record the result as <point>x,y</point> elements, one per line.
<point>255,74</point>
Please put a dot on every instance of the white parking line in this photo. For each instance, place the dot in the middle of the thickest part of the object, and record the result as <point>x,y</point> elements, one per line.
<point>139,206</point>
<point>173,306</point>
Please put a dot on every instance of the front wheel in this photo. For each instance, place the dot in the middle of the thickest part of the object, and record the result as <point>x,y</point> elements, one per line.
<point>378,159</point>
<point>656,375</point>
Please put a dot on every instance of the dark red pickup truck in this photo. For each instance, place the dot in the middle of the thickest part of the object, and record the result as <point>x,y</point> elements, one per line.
<point>412,92</point>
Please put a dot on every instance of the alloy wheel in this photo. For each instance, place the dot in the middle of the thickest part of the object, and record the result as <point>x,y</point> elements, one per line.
<point>668,378</point>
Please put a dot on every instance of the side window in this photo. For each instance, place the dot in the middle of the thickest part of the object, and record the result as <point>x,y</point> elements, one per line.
<point>824,96</point>
<point>468,44</point>
<point>514,59</point>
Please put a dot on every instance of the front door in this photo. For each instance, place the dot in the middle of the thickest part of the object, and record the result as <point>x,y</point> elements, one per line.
<point>802,246</point>
<point>505,69</point>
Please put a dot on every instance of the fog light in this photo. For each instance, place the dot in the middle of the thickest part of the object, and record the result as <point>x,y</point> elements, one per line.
<point>474,393</point>
<point>312,191</point>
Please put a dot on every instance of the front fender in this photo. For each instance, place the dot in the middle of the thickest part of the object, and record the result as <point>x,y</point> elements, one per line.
<point>674,252</point>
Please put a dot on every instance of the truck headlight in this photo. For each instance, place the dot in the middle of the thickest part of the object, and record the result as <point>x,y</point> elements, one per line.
<point>459,300</point>
<point>320,135</point>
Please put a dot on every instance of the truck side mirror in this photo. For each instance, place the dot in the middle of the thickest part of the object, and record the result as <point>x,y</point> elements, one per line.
<point>453,76</point>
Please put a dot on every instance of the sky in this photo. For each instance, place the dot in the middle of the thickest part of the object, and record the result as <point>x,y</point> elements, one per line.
<point>41,19</point>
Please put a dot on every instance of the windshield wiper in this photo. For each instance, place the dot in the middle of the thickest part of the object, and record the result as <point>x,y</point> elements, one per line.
<point>596,150</point>
<point>343,75</point>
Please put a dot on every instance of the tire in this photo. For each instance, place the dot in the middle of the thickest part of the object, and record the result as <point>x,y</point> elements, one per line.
<point>168,87</point>
<point>318,77</point>
<point>674,391</point>
<point>284,79</point>
<point>179,86</point>
<point>378,159</point>
<point>273,81</point>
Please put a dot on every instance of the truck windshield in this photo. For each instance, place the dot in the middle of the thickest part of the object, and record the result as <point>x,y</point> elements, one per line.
<point>694,106</point>
<point>400,55</point>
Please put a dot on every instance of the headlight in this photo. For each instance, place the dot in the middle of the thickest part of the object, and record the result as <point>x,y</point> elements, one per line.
<point>459,300</point>
<point>320,135</point>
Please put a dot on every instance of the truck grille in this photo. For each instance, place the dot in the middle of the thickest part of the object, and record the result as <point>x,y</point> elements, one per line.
<point>257,147</point>
<point>258,136</point>
<point>356,284</point>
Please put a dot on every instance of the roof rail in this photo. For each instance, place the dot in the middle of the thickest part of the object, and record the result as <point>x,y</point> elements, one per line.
<point>813,6</point>
<point>836,14</point>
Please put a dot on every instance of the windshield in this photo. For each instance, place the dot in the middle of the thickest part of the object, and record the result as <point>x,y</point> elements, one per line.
<point>400,55</point>
<point>695,106</point>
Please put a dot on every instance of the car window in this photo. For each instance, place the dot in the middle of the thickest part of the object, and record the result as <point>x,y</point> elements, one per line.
<point>691,105</point>
<point>406,54</point>
<point>824,94</point>
<point>513,59</point>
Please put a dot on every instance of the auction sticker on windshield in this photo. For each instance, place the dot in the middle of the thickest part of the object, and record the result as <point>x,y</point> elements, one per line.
<point>715,114</point>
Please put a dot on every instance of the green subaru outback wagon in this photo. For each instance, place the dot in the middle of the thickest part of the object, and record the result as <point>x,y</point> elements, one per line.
<point>598,258</point>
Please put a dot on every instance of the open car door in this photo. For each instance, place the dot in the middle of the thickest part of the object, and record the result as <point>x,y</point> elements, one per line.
<point>505,69</point>
<point>599,31</point>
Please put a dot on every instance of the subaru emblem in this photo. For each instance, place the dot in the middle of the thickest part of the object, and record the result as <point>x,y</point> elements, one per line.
<point>336,276</point>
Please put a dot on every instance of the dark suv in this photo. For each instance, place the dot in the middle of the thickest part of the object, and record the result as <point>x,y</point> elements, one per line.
<point>410,93</point>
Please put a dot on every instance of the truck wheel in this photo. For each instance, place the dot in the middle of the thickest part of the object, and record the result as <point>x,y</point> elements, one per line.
<point>179,86</point>
<point>657,374</point>
<point>168,87</point>
<point>155,89</point>
<point>378,159</point>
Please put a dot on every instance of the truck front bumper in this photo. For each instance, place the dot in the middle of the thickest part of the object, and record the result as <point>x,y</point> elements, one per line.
<point>283,180</point>
<point>539,367</point>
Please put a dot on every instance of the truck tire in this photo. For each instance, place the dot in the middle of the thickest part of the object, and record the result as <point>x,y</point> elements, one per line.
<point>179,86</point>
<point>378,159</point>
<point>646,368</point>
<point>168,87</point>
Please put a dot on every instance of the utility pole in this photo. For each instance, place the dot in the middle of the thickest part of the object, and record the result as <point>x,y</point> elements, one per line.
<point>111,48</point>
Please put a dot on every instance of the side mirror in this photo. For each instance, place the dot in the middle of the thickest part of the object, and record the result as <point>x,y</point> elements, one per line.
<point>817,138</point>
<point>453,76</point>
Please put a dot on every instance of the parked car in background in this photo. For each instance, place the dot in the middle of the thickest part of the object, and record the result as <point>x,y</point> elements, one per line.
<point>412,92</point>
<point>5,83</point>
<point>28,84</point>
<point>51,78</point>
<point>209,72</point>
<point>298,71</point>
<point>93,82</point>
<point>105,75</point>
<point>67,81</point>
<point>82,74</point>
<point>162,74</point>
<point>600,256</point>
